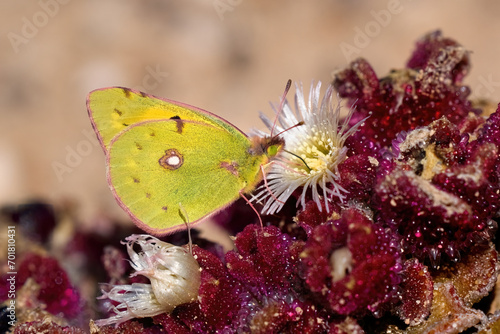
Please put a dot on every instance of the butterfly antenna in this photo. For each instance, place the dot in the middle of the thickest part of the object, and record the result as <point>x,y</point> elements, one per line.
<point>282,102</point>
<point>296,125</point>
<point>186,221</point>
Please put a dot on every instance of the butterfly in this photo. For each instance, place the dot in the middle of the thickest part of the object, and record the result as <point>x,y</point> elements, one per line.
<point>165,158</point>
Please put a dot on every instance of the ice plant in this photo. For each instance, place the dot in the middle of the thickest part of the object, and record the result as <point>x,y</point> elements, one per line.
<point>353,263</point>
<point>313,151</point>
<point>396,230</point>
<point>174,276</point>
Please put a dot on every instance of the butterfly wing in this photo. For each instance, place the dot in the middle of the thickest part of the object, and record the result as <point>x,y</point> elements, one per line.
<point>155,165</point>
<point>114,109</point>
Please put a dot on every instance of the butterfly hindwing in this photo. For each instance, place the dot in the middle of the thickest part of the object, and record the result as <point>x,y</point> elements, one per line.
<point>155,165</point>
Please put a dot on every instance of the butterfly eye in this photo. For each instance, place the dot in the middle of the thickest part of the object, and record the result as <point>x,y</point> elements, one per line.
<point>272,150</point>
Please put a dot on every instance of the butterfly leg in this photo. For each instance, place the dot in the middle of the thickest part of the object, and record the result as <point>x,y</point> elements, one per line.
<point>253,207</point>
<point>267,187</point>
<point>186,221</point>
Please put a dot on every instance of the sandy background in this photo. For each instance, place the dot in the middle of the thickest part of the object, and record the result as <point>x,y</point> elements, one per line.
<point>230,57</point>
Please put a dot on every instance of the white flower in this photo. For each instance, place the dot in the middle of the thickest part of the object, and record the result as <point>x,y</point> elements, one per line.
<point>313,151</point>
<point>174,275</point>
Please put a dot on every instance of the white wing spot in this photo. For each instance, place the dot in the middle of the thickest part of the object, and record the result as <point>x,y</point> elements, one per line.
<point>172,159</point>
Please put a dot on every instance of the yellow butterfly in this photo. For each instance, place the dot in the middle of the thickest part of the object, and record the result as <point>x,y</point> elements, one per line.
<point>163,155</point>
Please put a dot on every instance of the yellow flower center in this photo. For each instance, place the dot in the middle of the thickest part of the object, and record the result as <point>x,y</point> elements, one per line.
<point>316,157</point>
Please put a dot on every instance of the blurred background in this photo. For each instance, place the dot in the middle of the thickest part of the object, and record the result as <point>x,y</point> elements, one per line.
<point>230,57</point>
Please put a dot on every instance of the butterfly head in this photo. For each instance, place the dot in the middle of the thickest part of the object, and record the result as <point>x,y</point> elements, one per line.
<point>268,146</point>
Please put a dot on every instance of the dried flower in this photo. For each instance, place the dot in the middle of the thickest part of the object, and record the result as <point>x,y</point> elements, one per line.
<point>174,275</point>
<point>312,153</point>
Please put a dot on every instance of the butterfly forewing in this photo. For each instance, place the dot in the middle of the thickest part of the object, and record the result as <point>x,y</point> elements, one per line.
<point>112,110</point>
